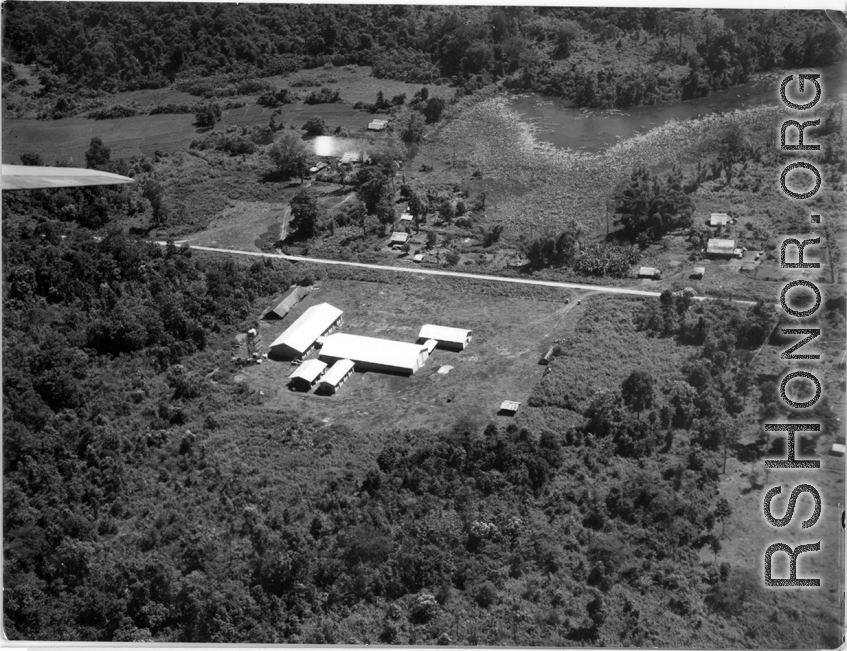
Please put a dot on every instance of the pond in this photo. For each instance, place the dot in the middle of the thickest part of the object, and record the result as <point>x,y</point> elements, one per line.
<point>592,130</point>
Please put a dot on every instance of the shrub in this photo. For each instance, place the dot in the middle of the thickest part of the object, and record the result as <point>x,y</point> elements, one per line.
<point>424,608</point>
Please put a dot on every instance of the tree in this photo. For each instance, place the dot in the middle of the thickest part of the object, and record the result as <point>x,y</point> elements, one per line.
<point>305,214</point>
<point>373,184</point>
<point>653,206</point>
<point>31,159</point>
<point>412,128</point>
<point>288,155</point>
<point>567,34</point>
<point>723,511</point>
<point>433,109</point>
<point>637,391</point>
<point>154,192</point>
<point>98,154</point>
<point>207,115</point>
<point>431,239</point>
<point>315,126</point>
<point>385,211</point>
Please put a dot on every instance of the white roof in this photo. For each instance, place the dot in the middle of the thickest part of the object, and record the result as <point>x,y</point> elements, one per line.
<point>718,218</point>
<point>509,405</point>
<point>837,449</point>
<point>406,217</point>
<point>443,333</point>
<point>430,344</point>
<point>372,350</point>
<point>722,246</point>
<point>303,333</point>
<point>337,372</point>
<point>351,157</point>
<point>647,271</point>
<point>418,257</point>
<point>399,236</point>
<point>377,125</point>
<point>309,370</point>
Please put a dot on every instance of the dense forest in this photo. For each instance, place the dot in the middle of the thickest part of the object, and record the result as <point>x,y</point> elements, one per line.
<point>81,49</point>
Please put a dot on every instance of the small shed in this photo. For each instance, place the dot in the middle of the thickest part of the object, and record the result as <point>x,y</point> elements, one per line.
<point>450,338</point>
<point>698,272</point>
<point>546,357</point>
<point>336,376</point>
<point>320,166</point>
<point>430,345</point>
<point>398,238</point>
<point>649,272</point>
<point>282,306</point>
<point>418,257</point>
<point>406,217</point>
<point>720,248</point>
<point>718,219</point>
<point>349,157</point>
<point>509,407</point>
<point>377,125</point>
<point>304,376</point>
<point>837,450</point>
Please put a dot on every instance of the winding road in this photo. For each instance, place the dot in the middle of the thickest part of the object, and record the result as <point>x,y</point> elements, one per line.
<point>438,272</point>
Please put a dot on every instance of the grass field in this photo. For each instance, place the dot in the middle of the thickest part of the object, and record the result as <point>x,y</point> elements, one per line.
<point>510,335</point>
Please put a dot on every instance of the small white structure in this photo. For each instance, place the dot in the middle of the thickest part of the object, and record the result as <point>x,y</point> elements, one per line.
<point>398,238</point>
<point>649,272</point>
<point>406,217</point>
<point>349,157</point>
<point>418,257</point>
<point>718,219</point>
<point>451,338</point>
<point>377,125</point>
<point>837,450</point>
<point>301,335</point>
<point>336,376</point>
<point>305,375</point>
<point>372,354</point>
<point>720,248</point>
<point>430,345</point>
<point>698,272</point>
<point>509,407</point>
<point>321,165</point>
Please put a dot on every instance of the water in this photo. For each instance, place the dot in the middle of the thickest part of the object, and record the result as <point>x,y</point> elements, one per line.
<point>595,129</point>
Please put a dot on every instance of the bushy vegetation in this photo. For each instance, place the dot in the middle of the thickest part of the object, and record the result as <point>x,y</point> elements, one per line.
<point>220,51</point>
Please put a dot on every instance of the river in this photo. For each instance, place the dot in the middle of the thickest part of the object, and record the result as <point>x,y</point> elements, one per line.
<point>592,130</point>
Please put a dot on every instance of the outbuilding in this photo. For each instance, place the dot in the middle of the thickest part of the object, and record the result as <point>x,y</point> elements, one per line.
<point>377,125</point>
<point>430,345</point>
<point>720,248</point>
<point>406,217</point>
<point>698,272</point>
<point>304,376</point>
<point>718,219</point>
<point>398,238</point>
<point>649,272</point>
<point>283,305</point>
<point>450,338</point>
<point>373,354</point>
<point>302,335</point>
<point>509,407</point>
<point>336,376</point>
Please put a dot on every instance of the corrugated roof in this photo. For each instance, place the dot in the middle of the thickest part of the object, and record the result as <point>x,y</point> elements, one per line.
<point>377,125</point>
<point>718,219</point>
<point>720,246</point>
<point>509,405</point>
<point>287,301</point>
<point>303,333</point>
<point>337,372</point>
<point>309,370</point>
<point>399,236</point>
<point>443,333</point>
<point>371,350</point>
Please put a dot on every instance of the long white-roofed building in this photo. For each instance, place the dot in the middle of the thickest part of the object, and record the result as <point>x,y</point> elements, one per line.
<point>301,335</point>
<point>452,338</point>
<point>372,354</point>
<point>336,376</point>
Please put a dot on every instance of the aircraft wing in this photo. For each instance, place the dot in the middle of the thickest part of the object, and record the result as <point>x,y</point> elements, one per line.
<point>31,177</point>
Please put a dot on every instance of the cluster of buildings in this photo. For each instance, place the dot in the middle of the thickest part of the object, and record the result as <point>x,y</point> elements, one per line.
<point>340,353</point>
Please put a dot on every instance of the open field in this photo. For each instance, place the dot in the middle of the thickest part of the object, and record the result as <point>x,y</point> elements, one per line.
<point>510,335</point>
